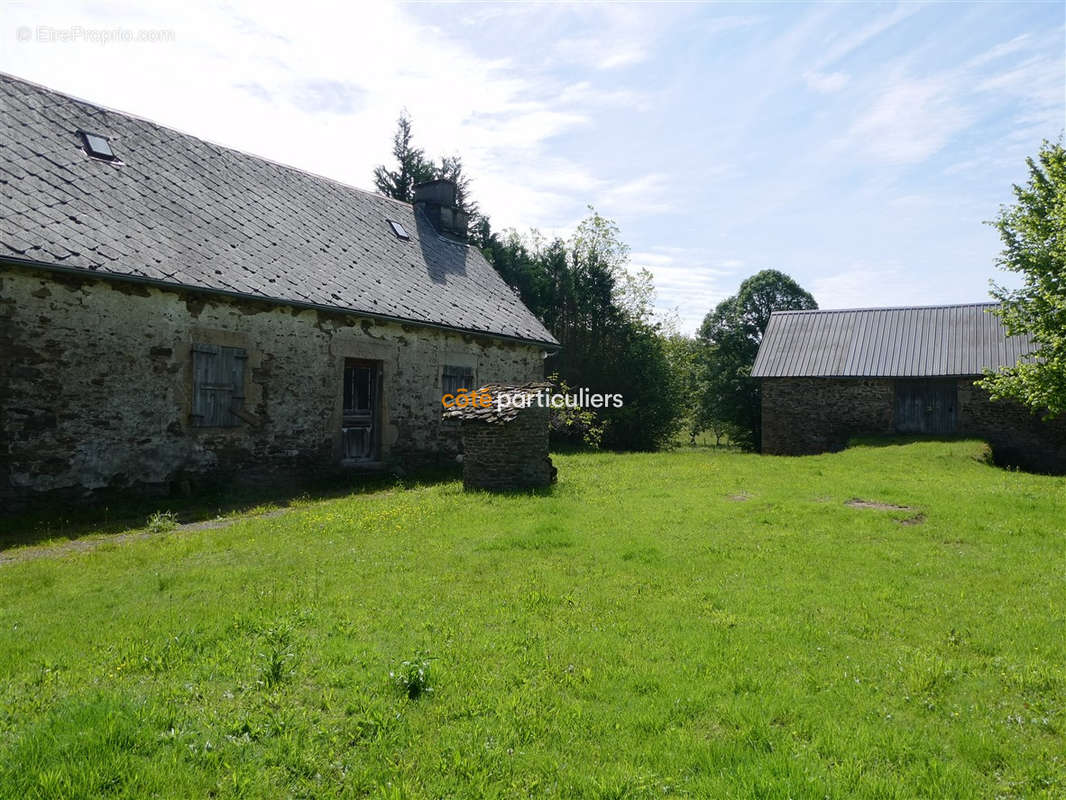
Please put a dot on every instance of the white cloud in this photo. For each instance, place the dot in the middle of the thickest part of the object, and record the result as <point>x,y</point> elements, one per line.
<point>843,45</point>
<point>825,82</point>
<point>863,286</point>
<point>1000,50</point>
<point>910,120</point>
<point>651,259</point>
<point>585,94</point>
<point>648,194</point>
<point>911,202</point>
<point>1036,80</point>
<point>687,282</point>
<point>606,52</point>
<point>729,23</point>
<point>622,34</point>
<point>622,55</point>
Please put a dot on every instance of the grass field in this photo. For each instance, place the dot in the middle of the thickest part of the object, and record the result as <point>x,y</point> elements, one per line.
<point>696,623</point>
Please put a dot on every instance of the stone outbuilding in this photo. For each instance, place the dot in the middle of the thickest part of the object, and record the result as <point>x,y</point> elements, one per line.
<point>175,313</point>
<point>830,375</point>
<point>504,431</point>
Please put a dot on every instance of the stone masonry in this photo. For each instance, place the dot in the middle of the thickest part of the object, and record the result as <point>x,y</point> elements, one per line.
<point>1017,436</point>
<point>96,386</point>
<point>802,416</point>
<point>814,415</point>
<point>505,448</point>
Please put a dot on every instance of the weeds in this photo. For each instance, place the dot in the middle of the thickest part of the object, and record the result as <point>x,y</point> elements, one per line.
<point>279,658</point>
<point>412,677</point>
<point>162,521</point>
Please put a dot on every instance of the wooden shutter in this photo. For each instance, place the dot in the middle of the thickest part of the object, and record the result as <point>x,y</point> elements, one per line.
<point>231,371</point>
<point>218,385</point>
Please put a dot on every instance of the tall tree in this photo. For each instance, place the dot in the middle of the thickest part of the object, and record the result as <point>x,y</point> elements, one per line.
<point>478,227</point>
<point>687,363</point>
<point>1034,246</point>
<point>732,333</point>
<point>587,297</point>
<point>451,167</point>
<point>411,165</point>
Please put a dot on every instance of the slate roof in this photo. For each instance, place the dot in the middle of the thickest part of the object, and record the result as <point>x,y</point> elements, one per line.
<point>181,211</point>
<point>919,341</point>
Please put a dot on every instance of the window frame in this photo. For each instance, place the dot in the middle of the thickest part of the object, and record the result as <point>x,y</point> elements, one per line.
<point>399,230</point>
<point>93,151</point>
<point>467,371</point>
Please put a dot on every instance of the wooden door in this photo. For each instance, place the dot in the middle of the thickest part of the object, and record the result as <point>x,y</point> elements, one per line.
<point>926,405</point>
<point>361,420</point>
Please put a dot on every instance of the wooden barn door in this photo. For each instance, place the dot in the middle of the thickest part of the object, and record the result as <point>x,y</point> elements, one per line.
<point>926,406</point>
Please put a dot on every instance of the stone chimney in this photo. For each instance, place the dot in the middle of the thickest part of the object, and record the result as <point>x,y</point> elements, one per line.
<point>436,199</point>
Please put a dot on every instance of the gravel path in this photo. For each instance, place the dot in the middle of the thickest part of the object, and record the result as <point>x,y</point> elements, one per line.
<point>60,549</point>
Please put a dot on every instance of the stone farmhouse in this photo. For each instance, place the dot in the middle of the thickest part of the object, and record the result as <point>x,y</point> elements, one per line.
<point>830,375</point>
<point>173,312</point>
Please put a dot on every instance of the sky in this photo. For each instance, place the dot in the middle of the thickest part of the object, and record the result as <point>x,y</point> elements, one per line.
<point>858,147</point>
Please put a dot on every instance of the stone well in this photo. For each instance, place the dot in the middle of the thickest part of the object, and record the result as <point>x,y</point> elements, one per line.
<point>505,446</point>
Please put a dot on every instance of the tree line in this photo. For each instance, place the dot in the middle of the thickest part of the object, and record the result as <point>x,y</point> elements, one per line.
<point>601,312</point>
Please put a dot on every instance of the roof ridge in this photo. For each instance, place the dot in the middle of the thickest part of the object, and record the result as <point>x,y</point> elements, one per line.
<point>884,308</point>
<point>139,118</point>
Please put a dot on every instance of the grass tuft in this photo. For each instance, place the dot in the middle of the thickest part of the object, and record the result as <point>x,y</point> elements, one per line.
<point>161,522</point>
<point>412,677</point>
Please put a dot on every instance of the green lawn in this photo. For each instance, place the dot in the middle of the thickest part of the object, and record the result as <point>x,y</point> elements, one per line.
<point>697,623</point>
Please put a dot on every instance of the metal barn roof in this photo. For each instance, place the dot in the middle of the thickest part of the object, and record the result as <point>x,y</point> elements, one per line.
<point>920,341</point>
<point>175,210</point>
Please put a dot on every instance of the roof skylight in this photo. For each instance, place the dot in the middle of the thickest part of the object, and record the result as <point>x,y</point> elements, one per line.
<point>398,229</point>
<point>97,146</point>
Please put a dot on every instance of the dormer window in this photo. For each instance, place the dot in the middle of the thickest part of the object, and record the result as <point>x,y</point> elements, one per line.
<point>97,146</point>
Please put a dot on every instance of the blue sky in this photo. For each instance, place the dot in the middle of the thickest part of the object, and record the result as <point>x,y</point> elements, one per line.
<point>856,146</point>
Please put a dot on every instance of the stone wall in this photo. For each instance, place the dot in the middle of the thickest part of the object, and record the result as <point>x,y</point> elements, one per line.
<point>802,416</point>
<point>96,386</point>
<point>1017,436</point>
<point>508,454</point>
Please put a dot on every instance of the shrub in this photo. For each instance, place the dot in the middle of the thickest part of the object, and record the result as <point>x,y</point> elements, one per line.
<point>573,424</point>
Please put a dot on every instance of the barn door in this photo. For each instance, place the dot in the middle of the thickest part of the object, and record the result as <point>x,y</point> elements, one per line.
<point>362,410</point>
<point>926,406</point>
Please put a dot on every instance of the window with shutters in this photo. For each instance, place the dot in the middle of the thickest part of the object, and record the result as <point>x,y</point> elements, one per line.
<point>218,385</point>
<point>455,378</point>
